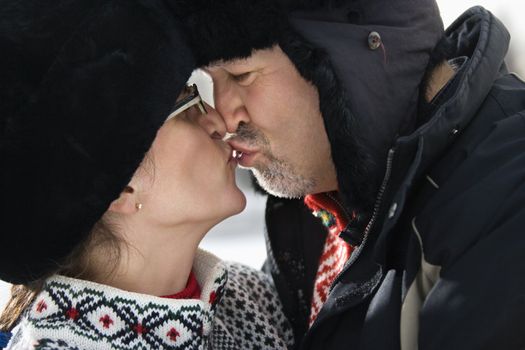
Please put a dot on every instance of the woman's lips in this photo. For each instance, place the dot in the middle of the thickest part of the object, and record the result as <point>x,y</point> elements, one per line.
<point>232,160</point>
<point>233,157</point>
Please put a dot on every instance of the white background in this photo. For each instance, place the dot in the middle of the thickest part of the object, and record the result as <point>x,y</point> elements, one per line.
<point>241,238</point>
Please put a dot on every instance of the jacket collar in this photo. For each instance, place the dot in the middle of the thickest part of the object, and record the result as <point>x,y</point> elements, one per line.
<point>100,316</point>
<point>481,37</point>
<point>485,40</point>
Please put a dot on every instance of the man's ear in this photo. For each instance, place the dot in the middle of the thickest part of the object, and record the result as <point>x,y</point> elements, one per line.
<point>126,203</point>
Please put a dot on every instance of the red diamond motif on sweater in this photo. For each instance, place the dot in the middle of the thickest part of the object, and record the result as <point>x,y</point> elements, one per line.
<point>41,306</point>
<point>72,313</point>
<point>139,329</point>
<point>173,334</point>
<point>106,321</point>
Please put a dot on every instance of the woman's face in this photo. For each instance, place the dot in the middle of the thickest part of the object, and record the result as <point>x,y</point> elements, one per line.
<point>189,174</point>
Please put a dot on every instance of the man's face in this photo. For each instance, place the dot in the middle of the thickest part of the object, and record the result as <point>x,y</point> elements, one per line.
<point>279,129</point>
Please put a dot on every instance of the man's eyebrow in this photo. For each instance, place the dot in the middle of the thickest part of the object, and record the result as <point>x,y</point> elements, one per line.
<point>234,61</point>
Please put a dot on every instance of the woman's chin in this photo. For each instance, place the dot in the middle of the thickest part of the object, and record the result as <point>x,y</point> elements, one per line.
<point>224,208</point>
<point>237,204</point>
<point>242,206</point>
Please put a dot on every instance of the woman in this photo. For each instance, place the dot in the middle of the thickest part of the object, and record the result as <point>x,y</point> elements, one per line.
<point>109,182</point>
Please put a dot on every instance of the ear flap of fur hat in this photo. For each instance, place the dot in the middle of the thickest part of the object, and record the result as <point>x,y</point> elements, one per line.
<point>374,54</point>
<point>85,86</point>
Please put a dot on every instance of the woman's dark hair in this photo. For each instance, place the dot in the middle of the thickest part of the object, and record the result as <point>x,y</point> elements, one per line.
<point>76,265</point>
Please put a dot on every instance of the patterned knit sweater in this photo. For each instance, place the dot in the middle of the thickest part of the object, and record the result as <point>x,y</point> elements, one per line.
<point>238,309</point>
<point>335,252</point>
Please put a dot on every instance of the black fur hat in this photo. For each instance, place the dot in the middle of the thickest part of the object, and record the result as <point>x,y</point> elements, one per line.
<point>84,87</point>
<point>227,29</point>
<point>366,57</point>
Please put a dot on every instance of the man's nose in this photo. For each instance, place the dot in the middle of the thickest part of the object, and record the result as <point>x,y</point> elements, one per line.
<point>230,105</point>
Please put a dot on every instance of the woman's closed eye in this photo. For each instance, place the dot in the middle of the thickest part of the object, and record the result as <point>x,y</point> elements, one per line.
<point>191,114</point>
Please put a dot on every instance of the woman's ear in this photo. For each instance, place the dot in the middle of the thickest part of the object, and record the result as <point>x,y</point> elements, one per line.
<point>126,203</point>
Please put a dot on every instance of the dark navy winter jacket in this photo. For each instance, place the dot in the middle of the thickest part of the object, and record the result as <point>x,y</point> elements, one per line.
<point>442,262</point>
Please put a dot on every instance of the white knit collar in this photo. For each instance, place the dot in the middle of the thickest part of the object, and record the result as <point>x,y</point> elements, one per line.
<point>99,317</point>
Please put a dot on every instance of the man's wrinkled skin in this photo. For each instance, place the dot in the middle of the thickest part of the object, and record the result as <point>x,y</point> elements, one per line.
<point>279,128</point>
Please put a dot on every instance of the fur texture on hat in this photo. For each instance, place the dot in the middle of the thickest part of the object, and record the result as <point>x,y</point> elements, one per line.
<point>228,29</point>
<point>368,97</point>
<point>84,87</point>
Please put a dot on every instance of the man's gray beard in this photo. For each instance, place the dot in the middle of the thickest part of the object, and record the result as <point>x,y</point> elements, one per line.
<point>280,180</point>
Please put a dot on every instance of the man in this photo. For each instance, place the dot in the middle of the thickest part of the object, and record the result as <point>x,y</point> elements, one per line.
<point>406,140</point>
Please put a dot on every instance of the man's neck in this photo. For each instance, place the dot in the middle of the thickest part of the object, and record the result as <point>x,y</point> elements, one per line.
<point>438,79</point>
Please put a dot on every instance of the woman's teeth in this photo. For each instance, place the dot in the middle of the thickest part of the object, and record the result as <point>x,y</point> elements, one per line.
<point>236,154</point>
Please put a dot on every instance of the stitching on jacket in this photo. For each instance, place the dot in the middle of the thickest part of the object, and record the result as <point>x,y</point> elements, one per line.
<point>432,182</point>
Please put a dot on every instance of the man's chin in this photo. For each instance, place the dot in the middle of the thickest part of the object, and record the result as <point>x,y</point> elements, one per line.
<point>283,186</point>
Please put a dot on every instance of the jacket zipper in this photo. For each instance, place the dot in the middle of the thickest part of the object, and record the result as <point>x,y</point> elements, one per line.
<point>348,217</point>
<point>371,223</point>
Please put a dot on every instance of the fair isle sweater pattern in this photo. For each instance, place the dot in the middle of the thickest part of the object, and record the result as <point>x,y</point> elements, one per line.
<point>250,314</point>
<point>72,314</point>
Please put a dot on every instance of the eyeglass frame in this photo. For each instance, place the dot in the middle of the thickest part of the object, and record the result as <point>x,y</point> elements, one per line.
<point>194,98</point>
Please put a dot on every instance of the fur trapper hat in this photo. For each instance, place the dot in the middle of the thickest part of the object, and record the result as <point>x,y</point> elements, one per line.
<point>84,87</point>
<point>366,57</point>
<point>230,29</point>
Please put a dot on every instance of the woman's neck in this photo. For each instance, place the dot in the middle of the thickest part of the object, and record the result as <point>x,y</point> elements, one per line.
<point>154,260</point>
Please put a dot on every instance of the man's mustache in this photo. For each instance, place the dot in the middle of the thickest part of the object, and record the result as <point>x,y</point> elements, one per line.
<point>244,132</point>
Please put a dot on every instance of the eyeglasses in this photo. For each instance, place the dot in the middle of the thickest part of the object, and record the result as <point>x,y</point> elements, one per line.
<point>191,99</point>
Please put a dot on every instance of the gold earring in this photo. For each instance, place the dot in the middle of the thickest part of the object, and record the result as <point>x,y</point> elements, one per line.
<point>138,206</point>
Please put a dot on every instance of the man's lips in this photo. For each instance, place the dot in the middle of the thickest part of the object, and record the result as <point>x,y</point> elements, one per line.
<point>242,154</point>
<point>240,148</point>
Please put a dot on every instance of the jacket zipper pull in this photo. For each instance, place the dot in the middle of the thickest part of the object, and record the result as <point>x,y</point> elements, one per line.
<point>352,236</point>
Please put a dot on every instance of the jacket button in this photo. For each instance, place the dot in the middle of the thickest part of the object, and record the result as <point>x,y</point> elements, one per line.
<point>392,210</point>
<point>374,40</point>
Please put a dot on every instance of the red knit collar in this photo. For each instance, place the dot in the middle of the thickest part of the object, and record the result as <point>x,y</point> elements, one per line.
<point>328,202</point>
<point>192,290</point>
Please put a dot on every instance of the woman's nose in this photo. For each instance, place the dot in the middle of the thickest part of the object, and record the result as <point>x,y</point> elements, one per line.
<point>213,122</point>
